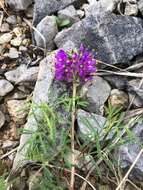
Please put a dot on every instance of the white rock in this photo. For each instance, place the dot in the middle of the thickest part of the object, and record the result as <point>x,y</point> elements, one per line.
<point>131,9</point>
<point>5,38</point>
<point>5,27</point>
<point>80,13</point>
<point>16,41</point>
<point>22,48</point>
<point>22,74</point>
<point>13,53</point>
<point>5,87</point>
<point>2,119</point>
<point>109,5</point>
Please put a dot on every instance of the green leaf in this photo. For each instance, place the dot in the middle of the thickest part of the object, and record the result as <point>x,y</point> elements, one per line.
<point>65,22</point>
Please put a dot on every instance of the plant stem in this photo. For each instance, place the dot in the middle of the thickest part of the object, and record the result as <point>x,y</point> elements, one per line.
<point>73,115</point>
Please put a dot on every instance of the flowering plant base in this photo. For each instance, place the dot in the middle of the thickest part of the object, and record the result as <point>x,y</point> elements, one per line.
<point>76,67</point>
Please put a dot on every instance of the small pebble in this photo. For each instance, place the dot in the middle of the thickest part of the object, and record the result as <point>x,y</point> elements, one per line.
<point>13,53</point>
<point>16,41</point>
<point>119,98</point>
<point>11,19</point>
<point>26,42</point>
<point>22,48</point>
<point>29,12</point>
<point>5,27</point>
<point>18,31</point>
<point>5,38</point>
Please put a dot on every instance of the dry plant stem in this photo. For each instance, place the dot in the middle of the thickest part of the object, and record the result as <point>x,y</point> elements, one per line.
<point>109,65</point>
<point>128,74</point>
<point>1,17</point>
<point>35,29</point>
<point>76,174</point>
<point>130,182</point>
<point>134,67</point>
<point>140,85</point>
<point>130,169</point>
<point>8,153</point>
<point>72,136</point>
<point>106,152</point>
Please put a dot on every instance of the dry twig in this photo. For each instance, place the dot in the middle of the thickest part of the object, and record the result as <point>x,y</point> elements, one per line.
<point>8,153</point>
<point>130,169</point>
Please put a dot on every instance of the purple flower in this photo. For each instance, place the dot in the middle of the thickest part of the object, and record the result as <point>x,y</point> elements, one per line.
<point>76,66</point>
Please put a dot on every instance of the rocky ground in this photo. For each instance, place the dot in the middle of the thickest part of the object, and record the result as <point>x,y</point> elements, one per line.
<point>31,31</point>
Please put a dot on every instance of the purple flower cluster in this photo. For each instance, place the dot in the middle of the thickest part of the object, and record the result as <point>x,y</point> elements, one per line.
<point>75,66</point>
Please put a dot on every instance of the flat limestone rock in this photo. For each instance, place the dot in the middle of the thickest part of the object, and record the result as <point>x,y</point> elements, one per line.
<point>115,38</point>
<point>47,90</point>
<point>40,94</point>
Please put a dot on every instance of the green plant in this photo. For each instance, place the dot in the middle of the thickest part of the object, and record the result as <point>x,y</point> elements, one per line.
<point>52,141</point>
<point>2,183</point>
<point>63,22</point>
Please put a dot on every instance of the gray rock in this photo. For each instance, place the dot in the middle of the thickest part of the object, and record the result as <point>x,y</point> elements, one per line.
<point>134,87</point>
<point>109,34</point>
<point>5,87</point>
<point>22,74</point>
<point>2,119</point>
<point>102,5</point>
<point>89,124</point>
<point>29,12</point>
<point>119,82</point>
<point>135,100</point>
<point>48,28</point>
<point>43,8</point>
<point>140,6</point>
<point>11,19</point>
<point>18,95</point>
<point>18,5</point>
<point>127,153</point>
<point>84,162</point>
<point>69,13</point>
<point>96,94</point>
